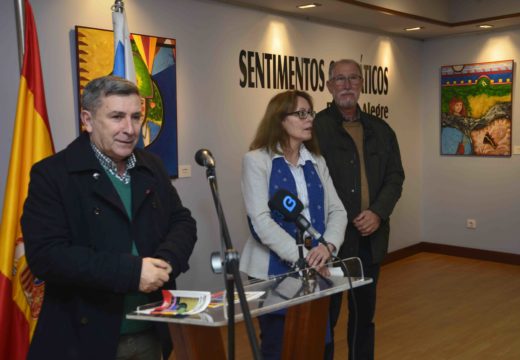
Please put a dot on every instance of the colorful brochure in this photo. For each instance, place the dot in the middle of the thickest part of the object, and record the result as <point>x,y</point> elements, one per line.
<point>179,302</point>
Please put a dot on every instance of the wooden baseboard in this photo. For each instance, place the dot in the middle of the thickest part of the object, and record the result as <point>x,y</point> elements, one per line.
<point>501,257</point>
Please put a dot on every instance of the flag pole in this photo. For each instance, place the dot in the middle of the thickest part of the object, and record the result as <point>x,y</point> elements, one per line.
<point>20,30</point>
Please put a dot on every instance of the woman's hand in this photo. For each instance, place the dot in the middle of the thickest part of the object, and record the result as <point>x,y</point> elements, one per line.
<point>318,256</point>
<point>324,271</point>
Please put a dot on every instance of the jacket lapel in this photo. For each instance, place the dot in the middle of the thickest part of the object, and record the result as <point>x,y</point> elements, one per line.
<point>143,186</point>
<point>143,182</point>
<point>103,188</point>
<point>80,158</point>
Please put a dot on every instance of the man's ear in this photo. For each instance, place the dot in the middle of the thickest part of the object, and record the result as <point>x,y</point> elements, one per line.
<point>86,120</point>
<point>330,86</point>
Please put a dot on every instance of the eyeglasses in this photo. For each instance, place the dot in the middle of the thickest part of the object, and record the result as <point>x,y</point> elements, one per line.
<point>303,114</point>
<point>352,79</point>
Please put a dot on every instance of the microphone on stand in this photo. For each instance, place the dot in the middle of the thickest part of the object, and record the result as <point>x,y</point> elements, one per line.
<point>289,207</point>
<point>231,272</point>
<point>204,158</point>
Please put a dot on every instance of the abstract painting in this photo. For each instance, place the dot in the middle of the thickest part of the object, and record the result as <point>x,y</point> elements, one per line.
<point>476,109</point>
<point>156,77</point>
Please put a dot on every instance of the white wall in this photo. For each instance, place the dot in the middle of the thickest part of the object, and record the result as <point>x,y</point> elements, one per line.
<point>457,188</point>
<point>213,111</point>
<point>9,79</point>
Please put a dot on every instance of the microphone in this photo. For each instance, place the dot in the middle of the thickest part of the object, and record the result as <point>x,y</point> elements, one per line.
<point>289,207</point>
<point>203,157</point>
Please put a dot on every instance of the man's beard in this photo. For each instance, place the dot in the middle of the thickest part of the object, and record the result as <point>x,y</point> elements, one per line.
<point>346,103</point>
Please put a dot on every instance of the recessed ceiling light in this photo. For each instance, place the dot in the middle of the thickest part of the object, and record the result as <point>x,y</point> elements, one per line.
<point>414,28</point>
<point>308,6</point>
<point>485,26</point>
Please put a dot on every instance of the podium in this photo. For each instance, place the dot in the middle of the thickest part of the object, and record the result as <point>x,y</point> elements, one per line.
<point>306,296</point>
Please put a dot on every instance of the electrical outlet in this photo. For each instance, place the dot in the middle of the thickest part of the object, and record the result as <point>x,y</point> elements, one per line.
<point>471,223</point>
<point>184,171</point>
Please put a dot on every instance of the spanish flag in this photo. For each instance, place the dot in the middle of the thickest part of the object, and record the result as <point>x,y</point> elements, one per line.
<point>21,294</point>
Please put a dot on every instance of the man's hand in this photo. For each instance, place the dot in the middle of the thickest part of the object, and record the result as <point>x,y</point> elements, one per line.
<point>367,222</point>
<point>154,273</point>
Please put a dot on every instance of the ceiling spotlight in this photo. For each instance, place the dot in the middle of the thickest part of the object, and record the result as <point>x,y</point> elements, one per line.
<point>414,28</point>
<point>485,26</point>
<point>308,6</point>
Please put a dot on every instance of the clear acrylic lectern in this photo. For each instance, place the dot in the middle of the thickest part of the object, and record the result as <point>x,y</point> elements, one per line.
<point>305,294</point>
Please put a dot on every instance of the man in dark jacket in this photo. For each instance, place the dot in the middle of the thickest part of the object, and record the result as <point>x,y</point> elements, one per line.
<point>364,162</point>
<point>106,230</point>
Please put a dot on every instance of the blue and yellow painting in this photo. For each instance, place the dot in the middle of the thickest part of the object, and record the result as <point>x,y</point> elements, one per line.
<point>476,109</point>
<point>156,77</point>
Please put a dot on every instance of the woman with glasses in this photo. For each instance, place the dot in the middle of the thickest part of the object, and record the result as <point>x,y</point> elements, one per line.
<point>284,155</point>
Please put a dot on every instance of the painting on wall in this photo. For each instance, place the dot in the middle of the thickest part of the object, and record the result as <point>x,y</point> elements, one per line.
<point>155,68</point>
<point>476,109</point>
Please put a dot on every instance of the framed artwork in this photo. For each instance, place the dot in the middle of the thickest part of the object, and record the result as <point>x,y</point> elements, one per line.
<point>155,68</point>
<point>476,109</point>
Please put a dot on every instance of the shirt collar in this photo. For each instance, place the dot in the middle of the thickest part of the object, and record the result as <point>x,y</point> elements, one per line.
<point>109,165</point>
<point>340,118</point>
<point>305,155</point>
<point>356,117</point>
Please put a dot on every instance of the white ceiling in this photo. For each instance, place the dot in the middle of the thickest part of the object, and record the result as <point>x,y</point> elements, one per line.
<point>438,18</point>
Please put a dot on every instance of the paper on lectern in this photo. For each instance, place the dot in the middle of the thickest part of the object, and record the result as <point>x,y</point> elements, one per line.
<point>179,302</point>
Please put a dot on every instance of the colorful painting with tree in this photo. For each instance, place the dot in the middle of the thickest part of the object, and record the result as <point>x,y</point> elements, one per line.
<point>476,109</point>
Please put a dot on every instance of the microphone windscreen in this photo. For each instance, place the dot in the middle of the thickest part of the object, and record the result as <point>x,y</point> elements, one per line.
<point>203,157</point>
<point>286,204</point>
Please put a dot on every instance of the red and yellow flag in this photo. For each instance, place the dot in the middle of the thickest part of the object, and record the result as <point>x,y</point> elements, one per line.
<point>21,293</point>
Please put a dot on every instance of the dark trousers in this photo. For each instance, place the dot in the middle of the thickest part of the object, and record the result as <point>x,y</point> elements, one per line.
<point>364,307</point>
<point>271,335</point>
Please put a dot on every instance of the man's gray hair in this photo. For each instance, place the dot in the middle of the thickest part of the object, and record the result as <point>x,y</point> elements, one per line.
<point>104,86</point>
<point>344,61</point>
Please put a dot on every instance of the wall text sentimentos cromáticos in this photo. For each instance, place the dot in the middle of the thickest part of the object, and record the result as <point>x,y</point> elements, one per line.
<point>286,72</point>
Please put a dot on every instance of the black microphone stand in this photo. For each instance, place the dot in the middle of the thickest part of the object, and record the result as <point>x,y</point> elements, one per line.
<point>301,264</point>
<point>232,276</point>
